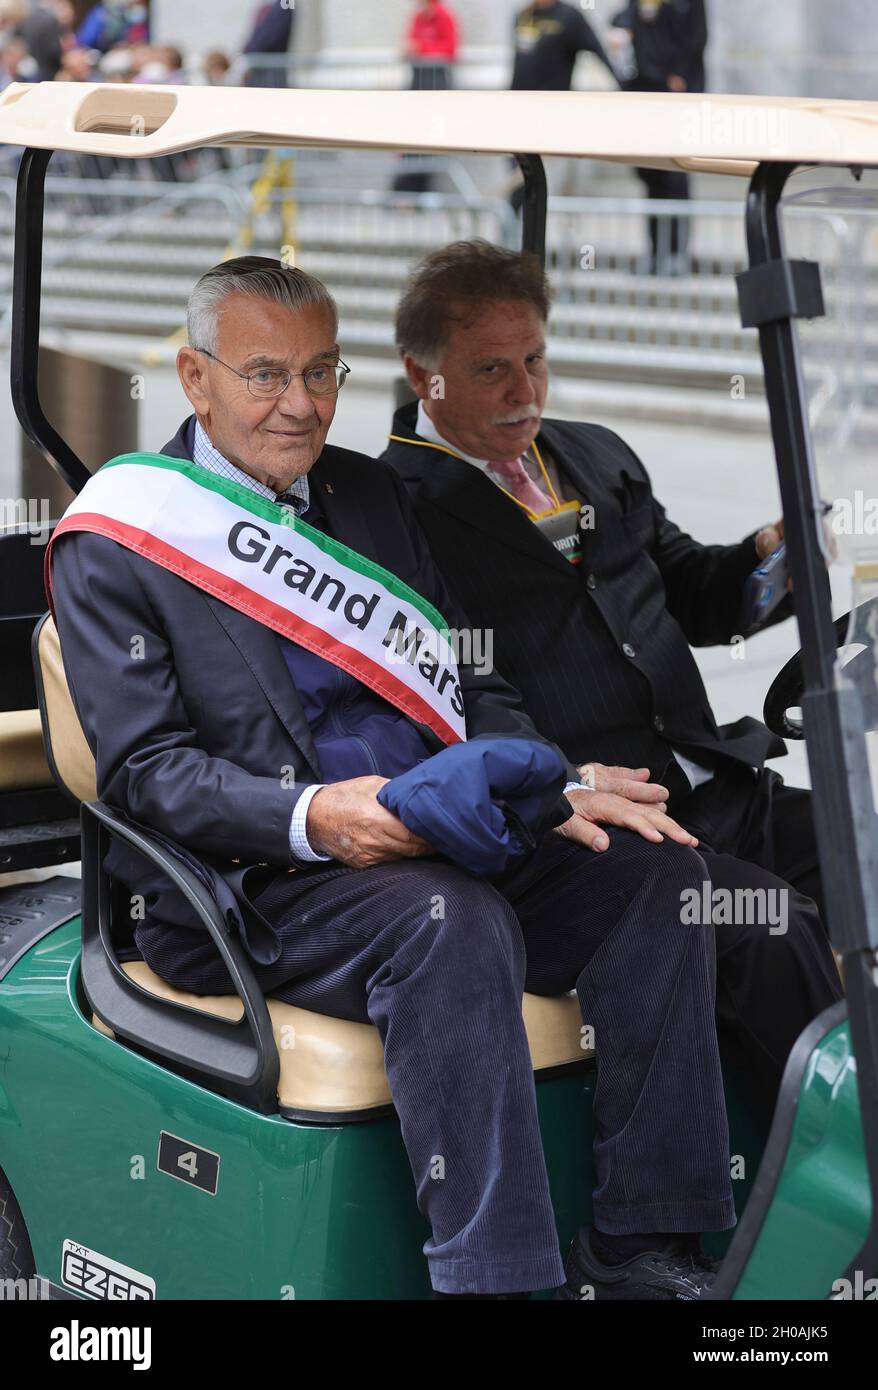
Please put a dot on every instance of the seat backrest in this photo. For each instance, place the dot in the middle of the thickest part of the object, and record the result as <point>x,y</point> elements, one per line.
<point>22,600</point>
<point>69,755</point>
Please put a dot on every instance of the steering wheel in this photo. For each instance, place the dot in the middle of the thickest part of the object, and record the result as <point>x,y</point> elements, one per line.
<point>782,710</point>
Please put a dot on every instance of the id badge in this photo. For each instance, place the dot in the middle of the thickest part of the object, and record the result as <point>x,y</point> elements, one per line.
<point>561,529</point>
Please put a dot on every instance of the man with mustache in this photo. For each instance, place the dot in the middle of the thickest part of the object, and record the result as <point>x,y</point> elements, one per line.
<point>551,540</point>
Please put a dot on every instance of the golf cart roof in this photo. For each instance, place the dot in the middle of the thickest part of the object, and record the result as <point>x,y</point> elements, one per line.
<point>720,134</point>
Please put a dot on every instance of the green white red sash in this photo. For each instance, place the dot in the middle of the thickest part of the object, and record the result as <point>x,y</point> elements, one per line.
<point>260,558</point>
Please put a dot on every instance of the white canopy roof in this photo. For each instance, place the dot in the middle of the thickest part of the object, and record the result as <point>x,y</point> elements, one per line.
<point>718,133</point>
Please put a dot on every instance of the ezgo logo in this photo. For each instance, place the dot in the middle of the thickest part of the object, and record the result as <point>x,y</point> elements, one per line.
<point>76,1343</point>
<point>97,1276</point>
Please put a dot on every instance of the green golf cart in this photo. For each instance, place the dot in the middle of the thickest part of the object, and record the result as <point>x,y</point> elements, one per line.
<point>161,1145</point>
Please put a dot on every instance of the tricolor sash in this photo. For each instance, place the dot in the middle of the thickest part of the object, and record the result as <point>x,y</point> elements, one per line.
<point>260,558</point>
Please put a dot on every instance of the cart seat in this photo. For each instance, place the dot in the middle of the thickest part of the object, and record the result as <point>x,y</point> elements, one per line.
<point>22,755</point>
<point>70,757</point>
<point>328,1066</point>
<point>331,1066</point>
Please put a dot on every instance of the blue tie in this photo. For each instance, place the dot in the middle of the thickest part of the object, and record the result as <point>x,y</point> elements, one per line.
<point>291,499</point>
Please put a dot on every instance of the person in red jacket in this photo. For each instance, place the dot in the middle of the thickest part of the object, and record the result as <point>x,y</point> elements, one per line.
<point>431,44</point>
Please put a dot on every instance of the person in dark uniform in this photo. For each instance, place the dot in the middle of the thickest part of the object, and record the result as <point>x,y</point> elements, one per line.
<point>593,626</point>
<point>667,40</point>
<point>548,37</point>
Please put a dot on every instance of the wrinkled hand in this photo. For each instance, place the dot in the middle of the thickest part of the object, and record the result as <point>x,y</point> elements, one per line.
<point>769,538</point>
<point>632,783</point>
<point>346,821</point>
<point>591,810</point>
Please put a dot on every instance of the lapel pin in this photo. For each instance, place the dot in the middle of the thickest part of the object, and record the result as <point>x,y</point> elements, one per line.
<point>328,487</point>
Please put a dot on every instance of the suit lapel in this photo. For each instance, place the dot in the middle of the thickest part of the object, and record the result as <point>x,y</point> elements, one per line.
<point>342,503</point>
<point>462,489</point>
<point>260,648</point>
<point>573,468</point>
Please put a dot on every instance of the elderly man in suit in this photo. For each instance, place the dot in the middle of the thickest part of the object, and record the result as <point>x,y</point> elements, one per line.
<point>236,728</point>
<point>549,536</point>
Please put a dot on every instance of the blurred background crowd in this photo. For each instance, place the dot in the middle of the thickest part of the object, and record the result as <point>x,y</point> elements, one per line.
<point>66,41</point>
<point>797,47</point>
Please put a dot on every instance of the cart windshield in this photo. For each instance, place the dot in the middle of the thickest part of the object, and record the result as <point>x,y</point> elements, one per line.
<point>831,216</point>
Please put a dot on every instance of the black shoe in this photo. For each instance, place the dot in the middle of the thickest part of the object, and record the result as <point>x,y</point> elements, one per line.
<point>680,1271</point>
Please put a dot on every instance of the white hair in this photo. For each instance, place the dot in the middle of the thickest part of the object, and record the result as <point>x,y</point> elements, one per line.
<point>257,276</point>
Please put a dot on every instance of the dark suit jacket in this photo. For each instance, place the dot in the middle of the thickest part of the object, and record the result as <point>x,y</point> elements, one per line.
<point>671,43</point>
<point>197,738</point>
<point>561,632</point>
<point>272,27</point>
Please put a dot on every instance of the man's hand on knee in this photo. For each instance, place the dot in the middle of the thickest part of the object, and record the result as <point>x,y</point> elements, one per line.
<point>592,810</point>
<point>631,782</point>
<point>346,821</point>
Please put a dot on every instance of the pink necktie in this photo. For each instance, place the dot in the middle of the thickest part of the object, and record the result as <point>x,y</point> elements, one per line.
<point>522,486</point>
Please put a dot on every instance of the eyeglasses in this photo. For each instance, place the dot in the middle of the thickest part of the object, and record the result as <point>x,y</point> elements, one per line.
<point>324,380</point>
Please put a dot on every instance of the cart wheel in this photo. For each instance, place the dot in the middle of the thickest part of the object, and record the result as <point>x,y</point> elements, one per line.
<point>16,1257</point>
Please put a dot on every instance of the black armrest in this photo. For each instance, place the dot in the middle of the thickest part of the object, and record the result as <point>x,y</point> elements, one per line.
<point>238,1059</point>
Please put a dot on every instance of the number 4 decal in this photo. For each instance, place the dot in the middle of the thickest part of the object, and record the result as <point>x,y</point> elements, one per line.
<point>188,1163</point>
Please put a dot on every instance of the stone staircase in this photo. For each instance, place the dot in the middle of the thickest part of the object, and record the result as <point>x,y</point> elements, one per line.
<point>620,341</point>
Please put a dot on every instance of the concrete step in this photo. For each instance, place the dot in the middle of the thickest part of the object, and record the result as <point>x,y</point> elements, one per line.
<point>585,397</point>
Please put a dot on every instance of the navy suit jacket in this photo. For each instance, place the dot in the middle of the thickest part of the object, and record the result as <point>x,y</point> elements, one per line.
<point>189,706</point>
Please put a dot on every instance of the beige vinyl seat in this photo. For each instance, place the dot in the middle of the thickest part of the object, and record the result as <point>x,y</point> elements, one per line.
<point>22,754</point>
<point>327,1065</point>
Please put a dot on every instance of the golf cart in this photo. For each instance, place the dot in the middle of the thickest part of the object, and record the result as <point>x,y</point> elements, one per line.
<point>158,1144</point>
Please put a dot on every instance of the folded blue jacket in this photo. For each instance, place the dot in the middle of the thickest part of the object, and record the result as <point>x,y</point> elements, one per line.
<point>484,803</point>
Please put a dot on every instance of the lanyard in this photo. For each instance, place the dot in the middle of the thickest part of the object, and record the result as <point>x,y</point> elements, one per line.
<point>559,506</point>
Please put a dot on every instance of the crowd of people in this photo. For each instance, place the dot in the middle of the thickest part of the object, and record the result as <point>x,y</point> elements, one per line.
<point>659,43</point>
<point>41,41</point>
<point>654,45</point>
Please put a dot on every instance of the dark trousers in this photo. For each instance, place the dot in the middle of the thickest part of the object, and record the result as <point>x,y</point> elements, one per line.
<point>438,961</point>
<point>757,833</point>
<point>426,77</point>
<point>668,236</point>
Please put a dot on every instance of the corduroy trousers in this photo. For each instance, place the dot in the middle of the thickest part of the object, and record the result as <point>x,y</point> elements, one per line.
<point>438,960</point>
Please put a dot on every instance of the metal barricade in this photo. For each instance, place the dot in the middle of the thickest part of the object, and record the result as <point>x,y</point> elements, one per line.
<point>122,254</point>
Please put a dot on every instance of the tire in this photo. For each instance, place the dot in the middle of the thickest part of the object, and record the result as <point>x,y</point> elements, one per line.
<point>16,1256</point>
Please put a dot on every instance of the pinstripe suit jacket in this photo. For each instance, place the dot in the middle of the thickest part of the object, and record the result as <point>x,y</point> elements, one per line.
<point>600,651</point>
